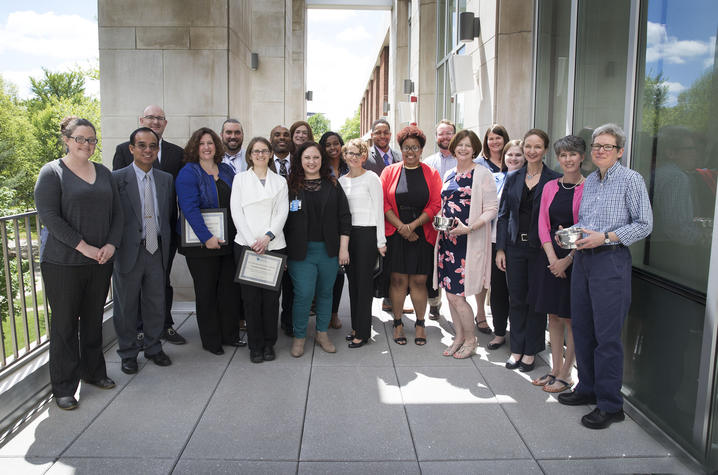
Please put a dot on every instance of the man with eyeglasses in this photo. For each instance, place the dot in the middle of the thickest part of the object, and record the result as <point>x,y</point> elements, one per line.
<point>381,155</point>
<point>615,212</point>
<point>169,159</point>
<point>232,137</point>
<point>146,196</point>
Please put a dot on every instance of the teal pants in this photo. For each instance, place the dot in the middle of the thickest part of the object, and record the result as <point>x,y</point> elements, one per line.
<point>314,276</point>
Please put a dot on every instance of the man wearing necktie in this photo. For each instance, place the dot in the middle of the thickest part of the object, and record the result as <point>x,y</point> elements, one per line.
<point>380,154</point>
<point>146,195</point>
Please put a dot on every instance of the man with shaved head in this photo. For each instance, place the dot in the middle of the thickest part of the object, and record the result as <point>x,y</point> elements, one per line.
<point>169,159</point>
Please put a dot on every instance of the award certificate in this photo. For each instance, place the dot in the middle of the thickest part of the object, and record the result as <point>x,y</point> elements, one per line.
<point>216,222</point>
<point>261,270</point>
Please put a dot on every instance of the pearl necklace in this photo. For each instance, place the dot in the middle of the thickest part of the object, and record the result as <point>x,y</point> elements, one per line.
<point>570,187</point>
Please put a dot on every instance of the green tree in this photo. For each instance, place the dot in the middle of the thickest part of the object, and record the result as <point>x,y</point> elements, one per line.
<point>319,124</point>
<point>68,85</point>
<point>351,128</point>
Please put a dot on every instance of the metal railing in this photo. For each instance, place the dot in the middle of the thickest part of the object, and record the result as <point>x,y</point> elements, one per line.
<point>24,309</point>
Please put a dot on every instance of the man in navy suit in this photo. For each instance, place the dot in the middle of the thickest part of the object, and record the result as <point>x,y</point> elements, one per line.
<point>146,195</point>
<point>169,159</point>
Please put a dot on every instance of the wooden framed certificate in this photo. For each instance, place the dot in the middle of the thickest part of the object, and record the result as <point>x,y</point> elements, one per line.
<point>260,270</point>
<point>216,222</point>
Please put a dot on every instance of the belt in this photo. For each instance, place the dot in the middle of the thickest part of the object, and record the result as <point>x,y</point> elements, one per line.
<point>604,248</point>
<point>524,237</point>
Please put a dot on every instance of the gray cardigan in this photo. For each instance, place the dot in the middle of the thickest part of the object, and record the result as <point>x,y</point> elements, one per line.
<point>71,210</point>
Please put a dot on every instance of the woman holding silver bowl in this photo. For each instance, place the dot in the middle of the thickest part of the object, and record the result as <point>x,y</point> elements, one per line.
<point>463,248</point>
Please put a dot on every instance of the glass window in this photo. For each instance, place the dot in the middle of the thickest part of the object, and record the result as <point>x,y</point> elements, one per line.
<point>454,31</point>
<point>440,30</point>
<point>440,93</point>
<point>552,60</point>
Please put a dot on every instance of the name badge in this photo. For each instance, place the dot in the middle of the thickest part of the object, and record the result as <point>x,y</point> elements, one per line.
<point>295,205</point>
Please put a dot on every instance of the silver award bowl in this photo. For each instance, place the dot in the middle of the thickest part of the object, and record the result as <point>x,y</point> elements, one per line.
<point>442,223</point>
<point>567,237</point>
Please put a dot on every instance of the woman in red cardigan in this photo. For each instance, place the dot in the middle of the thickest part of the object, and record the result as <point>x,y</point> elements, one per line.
<point>412,197</point>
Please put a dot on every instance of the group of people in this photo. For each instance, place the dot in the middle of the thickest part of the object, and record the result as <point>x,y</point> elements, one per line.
<point>331,208</point>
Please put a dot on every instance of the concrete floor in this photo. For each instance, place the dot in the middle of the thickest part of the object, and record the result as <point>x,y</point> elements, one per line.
<point>380,409</point>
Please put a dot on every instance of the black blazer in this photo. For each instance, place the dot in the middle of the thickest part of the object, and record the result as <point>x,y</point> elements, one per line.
<point>172,156</point>
<point>375,162</point>
<point>336,221</point>
<point>507,226</point>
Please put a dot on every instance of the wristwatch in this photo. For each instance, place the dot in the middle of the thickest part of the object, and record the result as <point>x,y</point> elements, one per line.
<point>270,234</point>
<point>606,239</point>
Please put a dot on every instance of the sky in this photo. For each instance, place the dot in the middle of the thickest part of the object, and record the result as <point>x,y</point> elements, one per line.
<point>342,47</point>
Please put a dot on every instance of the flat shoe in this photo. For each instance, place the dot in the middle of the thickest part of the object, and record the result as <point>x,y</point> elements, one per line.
<point>359,344</point>
<point>511,363</point>
<point>496,346</point>
<point>66,403</point>
<point>564,386</point>
<point>576,399</point>
<point>104,383</point>
<point>349,337</point>
<point>598,419</point>
<point>268,353</point>
<point>129,365</point>
<point>525,368</point>
<point>485,330</point>
<point>255,356</point>
<point>547,378</point>
<point>160,358</point>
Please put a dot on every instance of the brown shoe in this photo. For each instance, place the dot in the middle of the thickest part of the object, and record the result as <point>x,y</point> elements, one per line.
<point>323,339</point>
<point>297,347</point>
<point>335,322</point>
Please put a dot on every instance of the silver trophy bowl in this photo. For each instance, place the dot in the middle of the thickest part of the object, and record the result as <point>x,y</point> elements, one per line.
<point>442,223</point>
<point>567,237</point>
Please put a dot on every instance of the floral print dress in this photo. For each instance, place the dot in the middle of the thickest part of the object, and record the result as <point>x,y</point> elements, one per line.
<point>451,255</point>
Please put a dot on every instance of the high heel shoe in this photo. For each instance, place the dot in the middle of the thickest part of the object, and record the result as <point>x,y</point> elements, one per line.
<point>466,350</point>
<point>453,348</point>
<point>420,341</point>
<point>401,340</point>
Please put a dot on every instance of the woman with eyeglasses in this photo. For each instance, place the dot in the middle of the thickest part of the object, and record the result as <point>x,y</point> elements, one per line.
<point>518,248</point>
<point>79,208</point>
<point>412,197</point>
<point>332,143</point>
<point>259,210</point>
<point>367,239</point>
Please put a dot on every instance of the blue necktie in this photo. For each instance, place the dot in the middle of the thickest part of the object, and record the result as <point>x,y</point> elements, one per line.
<point>387,161</point>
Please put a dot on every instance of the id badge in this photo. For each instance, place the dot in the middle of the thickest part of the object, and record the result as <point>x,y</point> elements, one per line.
<point>295,205</point>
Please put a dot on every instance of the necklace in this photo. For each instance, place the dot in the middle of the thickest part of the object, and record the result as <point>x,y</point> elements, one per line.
<point>529,176</point>
<point>571,187</point>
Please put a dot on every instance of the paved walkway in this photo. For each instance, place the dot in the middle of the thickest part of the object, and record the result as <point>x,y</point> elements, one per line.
<point>378,409</point>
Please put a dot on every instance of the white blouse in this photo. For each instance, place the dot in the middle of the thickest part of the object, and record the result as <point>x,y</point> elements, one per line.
<point>366,202</point>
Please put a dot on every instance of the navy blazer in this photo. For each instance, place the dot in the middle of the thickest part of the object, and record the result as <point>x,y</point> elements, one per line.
<point>507,225</point>
<point>375,163</point>
<point>128,250</point>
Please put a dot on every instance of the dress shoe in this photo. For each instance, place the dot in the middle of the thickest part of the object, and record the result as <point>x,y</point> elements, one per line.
<point>218,351</point>
<point>297,347</point>
<point>66,403</point>
<point>359,344</point>
<point>496,346</point>
<point>241,340</point>
<point>255,356</point>
<point>288,330</point>
<point>268,353</point>
<point>526,367</point>
<point>434,312</point>
<point>129,365</point>
<point>511,363</point>
<point>575,398</point>
<point>141,340</point>
<point>160,358</point>
<point>103,383</point>
<point>598,419</point>
<point>171,336</point>
<point>323,339</point>
<point>349,337</point>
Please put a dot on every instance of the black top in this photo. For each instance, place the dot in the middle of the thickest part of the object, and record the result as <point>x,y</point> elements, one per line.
<point>560,213</point>
<point>313,204</point>
<point>223,193</point>
<point>412,194</point>
<point>525,207</point>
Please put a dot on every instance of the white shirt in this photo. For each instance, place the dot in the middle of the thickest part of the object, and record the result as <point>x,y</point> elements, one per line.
<point>236,161</point>
<point>140,174</point>
<point>366,202</point>
<point>277,164</point>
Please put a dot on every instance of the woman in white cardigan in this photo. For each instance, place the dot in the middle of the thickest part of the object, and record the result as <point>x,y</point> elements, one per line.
<point>463,255</point>
<point>259,208</point>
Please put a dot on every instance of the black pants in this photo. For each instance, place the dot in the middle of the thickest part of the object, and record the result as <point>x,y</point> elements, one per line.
<point>77,297</point>
<point>499,299</point>
<point>216,299</point>
<point>261,310</point>
<point>362,257</point>
<point>337,291</point>
<point>527,326</point>
<point>287,297</point>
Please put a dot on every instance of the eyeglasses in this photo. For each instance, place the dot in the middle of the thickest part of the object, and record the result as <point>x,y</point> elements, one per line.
<point>257,153</point>
<point>82,140</point>
<point>158,118</point>
<point>352,154</point>
<point>144,146</point>
<point>606,148</point>
<point>412,148</point>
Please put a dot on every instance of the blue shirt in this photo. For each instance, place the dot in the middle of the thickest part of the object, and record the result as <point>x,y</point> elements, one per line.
<point>236,161</point>
<point>140,174</point>
<point>618,203</point>
<point>441,163</point>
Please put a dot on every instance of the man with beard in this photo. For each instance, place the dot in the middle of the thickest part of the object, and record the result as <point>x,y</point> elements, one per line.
<point>232,137</point>
<point>442,161</point>
<point>281,140</point>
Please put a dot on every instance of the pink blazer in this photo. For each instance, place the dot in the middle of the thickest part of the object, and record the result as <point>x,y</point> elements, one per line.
<point>549,192</point>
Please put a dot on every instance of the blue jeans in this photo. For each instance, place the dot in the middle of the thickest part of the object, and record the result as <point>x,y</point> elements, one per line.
<point>314,275</point>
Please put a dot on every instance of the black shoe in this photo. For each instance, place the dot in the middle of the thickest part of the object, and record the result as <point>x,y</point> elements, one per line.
<point>349,337</point>
<point>525,368</point>
<point>160,358</point>
<point>219,351</point>
<point>576,399</point>
<point>288,330</point>
<point>239,341</point>
<point>496,346</point>
<point>255,356</point>
<point>141,340</point>
<point>268,353</point>
<point>511,364</point>
<point>434,313</point>
<point>104,383</point>
<point>598,419</point>
<point>66,403</point>
<point>171,336</point>
<point>129,365</point>
<point>352,344</point>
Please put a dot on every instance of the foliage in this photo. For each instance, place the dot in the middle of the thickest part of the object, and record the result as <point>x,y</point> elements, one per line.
<point>320,124</point>
<point>69,85</point>
<point>351,128</point>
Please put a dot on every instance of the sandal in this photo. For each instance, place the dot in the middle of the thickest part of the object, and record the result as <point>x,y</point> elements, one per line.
<point>402,339</point>
<point>486,329</point>
<point>466,351</point>
<point>453,348</point>
<point>547,378</point>
<point>564,386</point>
<point>419,340</point>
